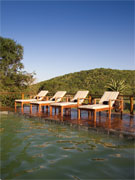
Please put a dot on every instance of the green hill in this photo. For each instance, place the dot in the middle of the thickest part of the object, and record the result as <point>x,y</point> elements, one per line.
<point>93,80</point>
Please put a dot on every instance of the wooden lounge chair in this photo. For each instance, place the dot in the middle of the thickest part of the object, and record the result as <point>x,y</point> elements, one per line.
<point>40,96</point>
<point>75,102</point>
<point>106,103</point>
<point>56,98</point>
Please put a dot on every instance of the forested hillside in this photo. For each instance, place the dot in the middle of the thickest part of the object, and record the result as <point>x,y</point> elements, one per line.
<point>93,80</point>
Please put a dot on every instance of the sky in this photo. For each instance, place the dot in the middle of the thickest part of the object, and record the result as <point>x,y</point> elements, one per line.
<point>61,37</point>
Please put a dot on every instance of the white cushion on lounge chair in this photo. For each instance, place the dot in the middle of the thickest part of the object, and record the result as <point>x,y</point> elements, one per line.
<point>42,102</point>
<point>40,96</point>
<point>109,95</point>
<point>25,100</point>
<point>94,106</point>
<point>80,94</point>
<point>58,95</point>
<point>42,93</point>
<point>64,103</point>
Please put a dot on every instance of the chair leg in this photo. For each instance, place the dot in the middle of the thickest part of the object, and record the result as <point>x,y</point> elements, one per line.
<point>30,108</point>
<point>121,114</point>
<point>94,116</point>
<point>79,111</point>
<point>22,107</point>
<point>110,113</point>
<point>61,111</point>
<point>50,110</point>
<point>39,108</point>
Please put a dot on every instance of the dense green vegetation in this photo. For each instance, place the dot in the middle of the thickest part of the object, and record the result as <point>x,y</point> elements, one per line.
<point>12,76</point>
<point>94,80</point>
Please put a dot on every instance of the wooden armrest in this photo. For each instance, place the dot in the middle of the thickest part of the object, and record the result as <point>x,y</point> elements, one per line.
<point>82,98</point>
<point>121,103</point>
<point>78,100</point>
<point>67,98</point>
<point>116,99</point>
<point>95,100</point>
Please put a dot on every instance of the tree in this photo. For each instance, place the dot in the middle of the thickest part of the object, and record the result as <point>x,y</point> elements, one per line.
<point>11,68</point>
<point>116,85</point>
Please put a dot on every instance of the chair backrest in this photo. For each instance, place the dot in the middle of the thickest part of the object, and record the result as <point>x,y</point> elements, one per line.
<point>58,95</point>
<point>80,94</point>
<point>109,95</point>
<point>41,95</point>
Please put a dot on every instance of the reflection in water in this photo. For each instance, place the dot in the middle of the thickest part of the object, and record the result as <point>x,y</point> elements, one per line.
<point>34,149</point>
<point>99,159</point>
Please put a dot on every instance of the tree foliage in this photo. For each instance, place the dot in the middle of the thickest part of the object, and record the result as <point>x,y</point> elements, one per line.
<point>116,85</point>
<point>94,80</point>
<point>13,77</point>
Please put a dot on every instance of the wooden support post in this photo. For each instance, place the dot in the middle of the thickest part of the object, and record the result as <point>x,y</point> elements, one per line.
<point>61,111</point>
<point>30,108</point>
<point>89,115</point>
<point>22,95</point>
<point>78,102</point>
<point>50,110</point>
<point>79,111</point>
<point>94,116</point>
<point>109,109</point>
<point>22,107</point>
<point>90,99</point>
<point>131,105</point>
<point>39,108</point>
<point>109,113</point>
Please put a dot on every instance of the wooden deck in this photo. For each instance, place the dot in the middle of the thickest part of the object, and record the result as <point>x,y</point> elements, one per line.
<point>122,127</point>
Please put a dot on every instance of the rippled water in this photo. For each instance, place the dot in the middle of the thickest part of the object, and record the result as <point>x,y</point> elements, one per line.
<point>33,149</point>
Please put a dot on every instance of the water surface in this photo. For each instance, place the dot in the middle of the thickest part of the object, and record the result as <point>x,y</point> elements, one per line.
<point>34,149</point>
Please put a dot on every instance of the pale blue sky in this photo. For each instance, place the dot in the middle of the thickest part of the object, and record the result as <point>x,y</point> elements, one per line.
<point>61,37</point>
